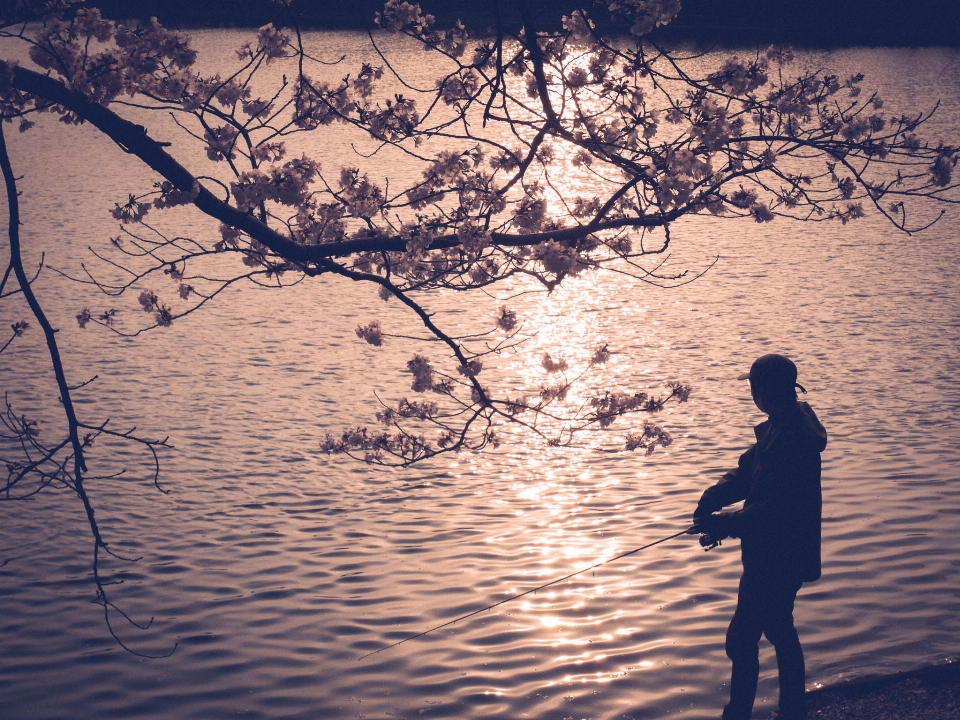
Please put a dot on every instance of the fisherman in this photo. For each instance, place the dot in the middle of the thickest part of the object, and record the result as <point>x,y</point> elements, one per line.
<point>778,479</point>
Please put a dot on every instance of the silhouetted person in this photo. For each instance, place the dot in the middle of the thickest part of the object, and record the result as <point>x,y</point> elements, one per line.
<point>778,479</point>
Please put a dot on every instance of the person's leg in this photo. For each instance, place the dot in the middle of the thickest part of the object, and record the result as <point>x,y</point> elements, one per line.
<point>781,632</point>
<point>743,637</point>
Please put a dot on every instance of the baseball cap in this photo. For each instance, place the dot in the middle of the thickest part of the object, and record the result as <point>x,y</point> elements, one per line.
<point>773,371</point>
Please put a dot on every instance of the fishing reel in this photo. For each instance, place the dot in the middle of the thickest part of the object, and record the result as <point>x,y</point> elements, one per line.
<point>707,541</point>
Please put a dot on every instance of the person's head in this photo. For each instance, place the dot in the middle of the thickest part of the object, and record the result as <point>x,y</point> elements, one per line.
<point>773,383</point>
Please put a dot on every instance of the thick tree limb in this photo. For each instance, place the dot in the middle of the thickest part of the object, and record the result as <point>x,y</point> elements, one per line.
<point>135,140</point>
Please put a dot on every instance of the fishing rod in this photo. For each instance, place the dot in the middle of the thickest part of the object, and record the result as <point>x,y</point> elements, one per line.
<point>706,542</point>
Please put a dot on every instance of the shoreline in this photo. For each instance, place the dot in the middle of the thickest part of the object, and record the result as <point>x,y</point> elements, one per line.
<point>735,24</point>
<point>927,693</point>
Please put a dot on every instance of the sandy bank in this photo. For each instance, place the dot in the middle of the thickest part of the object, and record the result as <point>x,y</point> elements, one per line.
<point>931,693</point>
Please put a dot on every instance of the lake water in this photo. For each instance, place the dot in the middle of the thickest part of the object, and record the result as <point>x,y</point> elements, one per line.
<point>272,568</point>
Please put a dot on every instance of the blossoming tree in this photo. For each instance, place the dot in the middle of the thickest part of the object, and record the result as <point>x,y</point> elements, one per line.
<point>658,136</point>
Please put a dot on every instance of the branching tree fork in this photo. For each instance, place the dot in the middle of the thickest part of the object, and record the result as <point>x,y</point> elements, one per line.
<point>654,135</point>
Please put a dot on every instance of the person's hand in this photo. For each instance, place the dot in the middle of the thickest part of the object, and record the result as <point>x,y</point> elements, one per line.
<point>718,525</point>
<point>708,504</point>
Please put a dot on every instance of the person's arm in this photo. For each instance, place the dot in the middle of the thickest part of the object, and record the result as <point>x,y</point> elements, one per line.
<point>793,493</point>
<point>732,487</point>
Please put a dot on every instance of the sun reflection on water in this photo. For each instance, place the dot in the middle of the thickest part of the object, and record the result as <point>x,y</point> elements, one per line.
<point>573,516</point>
<point>571,508</point>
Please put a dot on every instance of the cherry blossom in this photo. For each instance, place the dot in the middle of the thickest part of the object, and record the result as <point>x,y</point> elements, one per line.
<point>506,319</point>
<point>551,365</point>
<point>371,333</point>
<point>272,43</point>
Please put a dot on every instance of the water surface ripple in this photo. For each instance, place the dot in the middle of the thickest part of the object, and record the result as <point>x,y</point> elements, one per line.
<point>274,568</point>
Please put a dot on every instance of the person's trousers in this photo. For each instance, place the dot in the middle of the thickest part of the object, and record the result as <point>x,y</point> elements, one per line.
<point>765,607</point>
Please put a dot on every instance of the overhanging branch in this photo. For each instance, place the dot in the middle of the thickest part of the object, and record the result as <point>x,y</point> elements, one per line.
<point>134,139</point>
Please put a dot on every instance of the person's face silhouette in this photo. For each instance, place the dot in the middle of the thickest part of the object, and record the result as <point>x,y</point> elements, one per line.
<point>757,394</point>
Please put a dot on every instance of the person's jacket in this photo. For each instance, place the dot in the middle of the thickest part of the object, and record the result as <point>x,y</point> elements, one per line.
<point>778,479</point>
